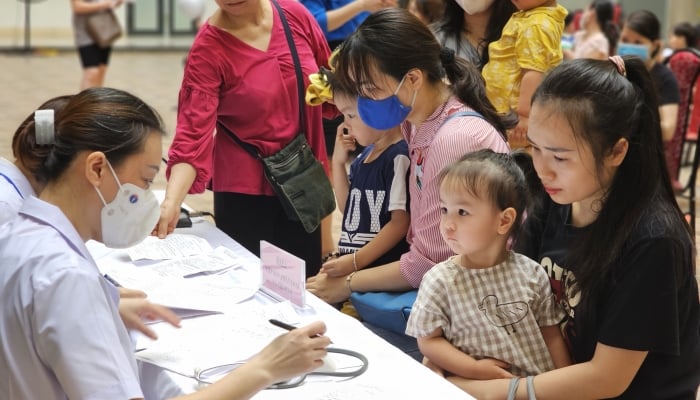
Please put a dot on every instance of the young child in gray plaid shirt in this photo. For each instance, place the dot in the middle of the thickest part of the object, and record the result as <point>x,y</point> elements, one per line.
<point>486,312</point>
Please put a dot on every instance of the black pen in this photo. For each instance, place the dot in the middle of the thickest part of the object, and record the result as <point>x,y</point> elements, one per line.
<point>286,326</point>
<point>112,281</point>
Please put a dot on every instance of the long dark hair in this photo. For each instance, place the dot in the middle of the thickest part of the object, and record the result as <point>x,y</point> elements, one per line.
<point>602,106</point>
<point>452,24</point>
<point>604,11</point>
<point>99,119</point>
<point>393,42</point>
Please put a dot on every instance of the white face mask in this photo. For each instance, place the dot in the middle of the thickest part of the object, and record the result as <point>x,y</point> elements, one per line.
<point>130,217</point>
<point>472,7</point>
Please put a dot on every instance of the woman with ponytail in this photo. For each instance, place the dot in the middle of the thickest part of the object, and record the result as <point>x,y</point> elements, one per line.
<point>598,38</point>
<point>402,76</point>
<point>618,252</point>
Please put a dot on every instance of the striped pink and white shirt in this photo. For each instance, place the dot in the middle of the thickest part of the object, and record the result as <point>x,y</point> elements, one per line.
<point>431,147</point>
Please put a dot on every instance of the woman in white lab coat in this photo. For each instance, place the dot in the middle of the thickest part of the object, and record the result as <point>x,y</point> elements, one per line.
<point>60,329</point>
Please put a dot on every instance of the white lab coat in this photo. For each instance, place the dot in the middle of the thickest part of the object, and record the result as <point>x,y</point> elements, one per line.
<point>60,330</point>
<point>14,188</point>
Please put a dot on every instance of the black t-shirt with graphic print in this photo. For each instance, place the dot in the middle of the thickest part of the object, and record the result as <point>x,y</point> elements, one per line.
<point>641,308</point>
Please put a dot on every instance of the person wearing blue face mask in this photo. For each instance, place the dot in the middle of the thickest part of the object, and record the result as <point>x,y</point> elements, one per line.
<point>403,77</point>
<point>640,37</point>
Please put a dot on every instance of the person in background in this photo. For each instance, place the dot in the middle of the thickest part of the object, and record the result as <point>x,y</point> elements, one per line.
<point>486,312</point>
<point>598,37</point>
<point>373,196</point>
<point>93,58</point>
<point>62,335</point>
<point>640,37</point>
<point>240,77</point>
<point>683,36</point>
<point>571,22</point>
<point>529,46</point>
<point>428,11</point>
<point>400,74</point>
<point>469,26</point>
<point>610,235</point>
<point>338,19</point>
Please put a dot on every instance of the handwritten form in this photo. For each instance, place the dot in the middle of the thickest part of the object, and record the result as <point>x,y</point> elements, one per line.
<point>242,330</point>
<point>214,340</point>
<point>192,275</point>
<point>174,246</point>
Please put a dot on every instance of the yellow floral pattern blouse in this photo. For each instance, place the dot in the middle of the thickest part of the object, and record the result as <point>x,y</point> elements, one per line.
<point>531,40</point>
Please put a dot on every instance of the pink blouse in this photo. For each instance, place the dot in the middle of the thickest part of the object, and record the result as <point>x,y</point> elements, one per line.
<point>251,92</point>
<point>595,44</point>
<point>431,147</point>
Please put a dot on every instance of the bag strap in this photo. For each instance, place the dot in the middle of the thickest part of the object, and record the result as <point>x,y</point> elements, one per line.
<point>462,114</point>
<point>249,148</point>
<point>297,64</point>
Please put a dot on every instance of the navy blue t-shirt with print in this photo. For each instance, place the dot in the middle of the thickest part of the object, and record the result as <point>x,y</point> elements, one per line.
<point>376,189</point>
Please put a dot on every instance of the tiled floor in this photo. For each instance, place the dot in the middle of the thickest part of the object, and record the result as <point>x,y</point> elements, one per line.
<point>27,80</point>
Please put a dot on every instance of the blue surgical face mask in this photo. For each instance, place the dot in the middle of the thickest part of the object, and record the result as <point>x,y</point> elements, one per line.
<point>386,113</point>
<point>630,49</point>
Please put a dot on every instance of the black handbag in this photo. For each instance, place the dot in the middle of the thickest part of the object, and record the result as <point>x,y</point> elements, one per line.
<point>296,176</point>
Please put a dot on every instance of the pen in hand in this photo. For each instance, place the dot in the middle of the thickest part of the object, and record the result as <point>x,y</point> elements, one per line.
<point>286,326</point>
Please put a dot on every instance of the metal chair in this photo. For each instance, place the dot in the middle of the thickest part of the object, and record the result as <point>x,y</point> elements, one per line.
<point>682,150</point>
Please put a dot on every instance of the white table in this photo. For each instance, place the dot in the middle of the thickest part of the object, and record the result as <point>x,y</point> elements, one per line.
<point>391,373</point>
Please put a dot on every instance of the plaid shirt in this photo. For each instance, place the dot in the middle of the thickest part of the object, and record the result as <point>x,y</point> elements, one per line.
<point>495,312</point>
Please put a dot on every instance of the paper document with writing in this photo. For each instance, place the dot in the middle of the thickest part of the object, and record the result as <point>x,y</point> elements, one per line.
<point>214,340</point>
<point>164,282</point>
<point>214,262</point>
<point>174,246</point>
<point>217,340</point>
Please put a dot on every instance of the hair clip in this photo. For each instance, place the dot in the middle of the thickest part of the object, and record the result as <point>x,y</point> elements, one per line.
<point>620,64</point>
<point>43,127</point>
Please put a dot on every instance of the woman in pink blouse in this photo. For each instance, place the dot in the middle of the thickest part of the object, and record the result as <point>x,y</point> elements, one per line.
<point>398,70</point>
<point>240,73</point>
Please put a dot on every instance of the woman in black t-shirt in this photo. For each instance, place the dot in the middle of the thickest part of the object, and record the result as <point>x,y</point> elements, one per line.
<point>620,256</point>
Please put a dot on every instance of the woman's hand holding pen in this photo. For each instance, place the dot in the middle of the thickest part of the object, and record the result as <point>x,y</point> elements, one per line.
<point>296,352</point>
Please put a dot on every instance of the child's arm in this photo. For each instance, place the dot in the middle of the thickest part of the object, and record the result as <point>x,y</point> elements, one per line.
<point>343,145</point>
<point>446,356</point>
<point>392,233</point>
<point>556,345</point>
<point>528,83</point>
